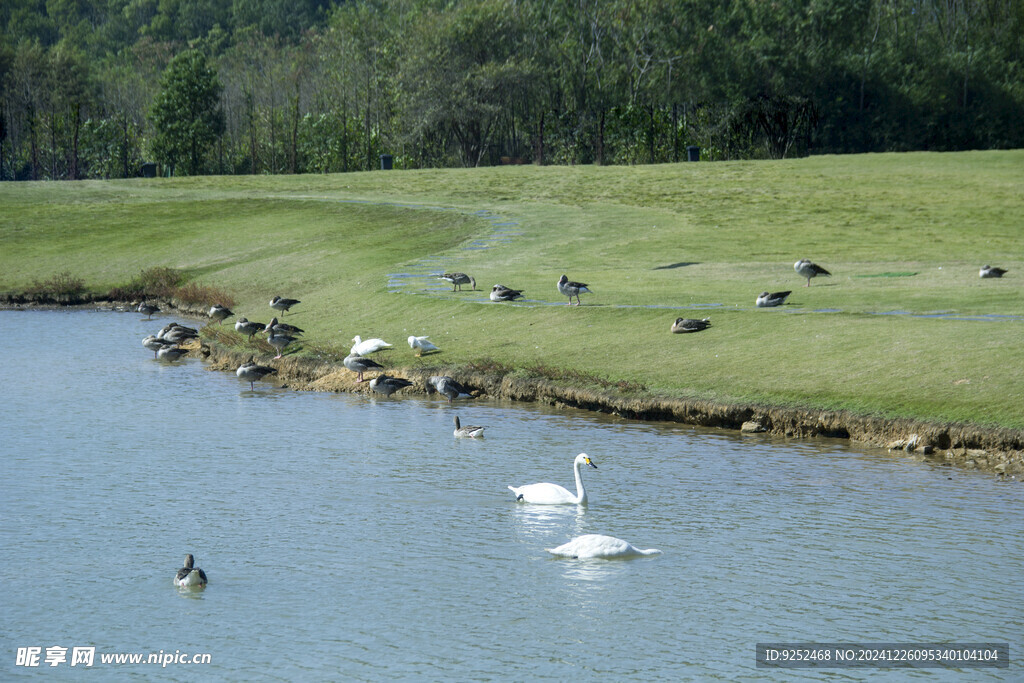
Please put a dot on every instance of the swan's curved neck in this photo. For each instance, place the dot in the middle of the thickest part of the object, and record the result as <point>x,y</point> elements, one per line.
<point>581,493</point>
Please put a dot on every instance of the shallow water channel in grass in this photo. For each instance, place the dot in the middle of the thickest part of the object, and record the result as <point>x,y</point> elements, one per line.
<point>348,537</point>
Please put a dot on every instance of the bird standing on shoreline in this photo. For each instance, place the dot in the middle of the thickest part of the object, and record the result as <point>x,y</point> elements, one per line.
<point>384,384</point>
<point>171,353</point>
<point>422,345</point>
<point>458,279</point>
<point>359,365</point>
<point>148,310</point>
<point>155,343</point>
<point>571,289</point>
<point>805,268</point>
<point>448,387</point>
<point>279,340</point>
<point>250,371</point>
<point>247,327</point>
<point>219,313</point>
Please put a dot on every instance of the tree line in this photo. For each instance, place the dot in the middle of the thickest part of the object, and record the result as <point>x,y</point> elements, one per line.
<point>93,88</point>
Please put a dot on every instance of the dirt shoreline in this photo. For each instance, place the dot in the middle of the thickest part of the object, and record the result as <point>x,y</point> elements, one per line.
<point>995,450</point>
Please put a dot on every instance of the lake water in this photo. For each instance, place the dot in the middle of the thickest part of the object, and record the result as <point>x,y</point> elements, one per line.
<point>353,538</point>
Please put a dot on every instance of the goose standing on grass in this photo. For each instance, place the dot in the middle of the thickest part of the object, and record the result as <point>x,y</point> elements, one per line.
<point>279,304</point>
<point>359,365</point>
<point>769,299</point>
<point>808,270</point>
<point>383,384</point>
<point>250,371</point>
<point>448,387</point>
<point>682,325</point>
<point>593,546</point>
<point>422,345</point>
<point>571,289</point>
<point>365,348</point>
<point>219,313</point>
<point>190,576</point>
<point>503,293</point>
<point>471,431</point>
<point>248,327</point>
<point>279,340</point>
<point>283,328</point>
<point>553,494</point>
<point>991,271</point>
<point>458,279</point>
<point>171,353</point>
<point>154,344</point>
<point>147,309</point>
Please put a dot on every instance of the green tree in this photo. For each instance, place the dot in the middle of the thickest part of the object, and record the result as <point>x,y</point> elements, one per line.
<point>186,113</point>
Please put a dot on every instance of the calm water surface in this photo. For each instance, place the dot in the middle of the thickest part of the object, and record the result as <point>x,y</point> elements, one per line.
<point>353,538</point>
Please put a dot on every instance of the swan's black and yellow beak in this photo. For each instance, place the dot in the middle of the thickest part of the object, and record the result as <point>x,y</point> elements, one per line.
<point>591,463</point>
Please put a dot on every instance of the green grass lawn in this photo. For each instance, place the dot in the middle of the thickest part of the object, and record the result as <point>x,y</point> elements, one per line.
<point>900,232</point>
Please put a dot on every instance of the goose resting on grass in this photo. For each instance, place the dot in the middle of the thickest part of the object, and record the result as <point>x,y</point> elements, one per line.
<point>249,328</point>
<point>250,371</point>
<point>503,293</point>
<point>471,431</point>
<point>682,325</point>
<point>571,289</point>
<point>282,328</point>
<point>594,546</point>
<point>991,271</point>
<point>769,299</point>
<point>808,270</point>
<point>553,494</point>
<point>422,345</point>
<point>359,365</point>
<point>190,576</point>
<point>458,279</point>
<point>365,348</point>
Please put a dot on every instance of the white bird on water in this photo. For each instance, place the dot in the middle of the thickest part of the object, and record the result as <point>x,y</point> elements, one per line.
<point>553,494</point>
<point>593,546</point>
<point>422,345</point>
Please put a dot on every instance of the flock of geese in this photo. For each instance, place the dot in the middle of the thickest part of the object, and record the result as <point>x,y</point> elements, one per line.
<point>166,346</point>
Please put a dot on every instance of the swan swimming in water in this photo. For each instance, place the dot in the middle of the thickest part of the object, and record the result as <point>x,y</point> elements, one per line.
<point>553,494</point>
<point>591,546</point>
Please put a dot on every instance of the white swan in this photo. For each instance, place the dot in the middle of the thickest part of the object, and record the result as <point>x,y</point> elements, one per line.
<point>598,546</point>
<point>422,344</point>
<point>363,348</point>
<point>553,494</point>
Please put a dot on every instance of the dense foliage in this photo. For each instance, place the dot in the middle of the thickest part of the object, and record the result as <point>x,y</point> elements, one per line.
<point>327,85</point>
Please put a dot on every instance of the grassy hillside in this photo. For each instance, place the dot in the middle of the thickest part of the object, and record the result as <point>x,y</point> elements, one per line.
<point>905,327</point>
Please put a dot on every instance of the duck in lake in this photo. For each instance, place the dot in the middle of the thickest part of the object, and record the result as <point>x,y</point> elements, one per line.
<point>383,384</point>
<point>769,299</point>
<point>358,364</point>
<point>281,304</point>
<point>190,576</point>
<point>448,387</point>
<point>569,288</point>
<point>471,431</point>
<point>457,280</point>
<point>503,293</point>
<point>683,325</point>
<point>422,345</point>
<point>154,344</point>
<point>553,494</point>
<point>220,313</point>
<point>805,268</point>
<point>250,371</point>
<point>991,271</point>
